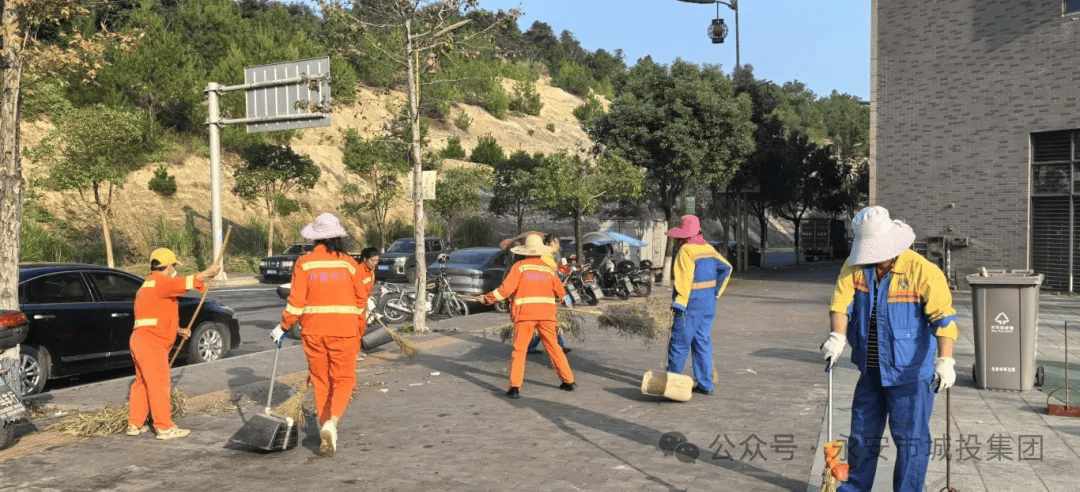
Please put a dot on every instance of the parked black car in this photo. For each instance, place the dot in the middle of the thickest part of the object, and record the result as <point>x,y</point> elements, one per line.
<point>398,262</point>
<point>279,268</point>
<point>474,271</point>
<point>81,317</point>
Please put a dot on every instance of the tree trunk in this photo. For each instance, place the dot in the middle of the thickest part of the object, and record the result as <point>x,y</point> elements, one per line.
<point>419,313</point>
<point>270,229</point>
<point>798,240</point>
<point>577,237</point>
<point>103,214</point>
<point>12,184</point>
<point>520,222</point>
<point>669,250</point>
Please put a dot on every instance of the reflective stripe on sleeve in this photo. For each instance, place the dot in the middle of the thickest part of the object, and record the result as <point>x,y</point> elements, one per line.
<point>367,280</point>
<point>149,284</point>
<point>189,282</point>
<point>145,322</point>
<point>316,265</point>
<point>498,297</point>
<point>289,308</point>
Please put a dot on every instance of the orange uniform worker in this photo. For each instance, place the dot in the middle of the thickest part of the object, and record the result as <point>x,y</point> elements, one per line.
<point>157,323</point>
<point>369,259</point>
<point>328,299</point>
<point>535,291</point>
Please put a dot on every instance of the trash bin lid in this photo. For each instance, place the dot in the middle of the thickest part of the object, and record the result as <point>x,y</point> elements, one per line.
<point>1002,278</point>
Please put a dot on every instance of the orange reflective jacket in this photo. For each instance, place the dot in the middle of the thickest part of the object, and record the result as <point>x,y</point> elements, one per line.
<point>156,309</point>
<point>534,288</point>
<point>328,295</point>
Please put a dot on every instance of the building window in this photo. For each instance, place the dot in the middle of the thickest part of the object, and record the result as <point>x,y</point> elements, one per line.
<point>1072,6</point>
<point>1055,209</point>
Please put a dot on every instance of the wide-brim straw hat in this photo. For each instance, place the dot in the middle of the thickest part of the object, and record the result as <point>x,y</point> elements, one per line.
<point>534,246</point>
<point>878,238</point>
<point>689,227</point>
<point>326,226</point>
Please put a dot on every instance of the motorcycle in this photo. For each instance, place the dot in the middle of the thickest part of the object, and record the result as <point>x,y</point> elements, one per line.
<point>641,276</point>
<point>13,329</point>
<point>400,302</point>
<point>610,281</point>
<point>581,291</point>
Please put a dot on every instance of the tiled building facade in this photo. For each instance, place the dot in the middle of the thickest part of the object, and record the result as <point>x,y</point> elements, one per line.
<point>975,131</point>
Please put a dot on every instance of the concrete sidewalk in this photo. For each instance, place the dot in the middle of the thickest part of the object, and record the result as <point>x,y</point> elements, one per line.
<point>441,422</point>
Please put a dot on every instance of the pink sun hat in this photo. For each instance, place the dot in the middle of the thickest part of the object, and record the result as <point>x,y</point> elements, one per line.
<point>326,226</point>
<point>689,227</point>
<point>877,237</point>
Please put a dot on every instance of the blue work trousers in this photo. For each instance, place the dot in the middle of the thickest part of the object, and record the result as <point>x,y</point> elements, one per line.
<point>536,341</point>
<point>908,408</point>
<point>691,334</point>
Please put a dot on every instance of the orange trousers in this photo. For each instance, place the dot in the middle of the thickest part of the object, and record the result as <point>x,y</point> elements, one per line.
<point>523,332</point>
<point>150,392</point>
<point>332,368</point>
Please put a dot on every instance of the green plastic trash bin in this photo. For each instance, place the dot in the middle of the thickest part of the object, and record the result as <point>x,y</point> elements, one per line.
<point>1005,308</point>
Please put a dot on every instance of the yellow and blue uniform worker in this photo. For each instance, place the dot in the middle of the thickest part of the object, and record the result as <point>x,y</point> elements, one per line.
<point>891,305</point>
<point>701,276</point>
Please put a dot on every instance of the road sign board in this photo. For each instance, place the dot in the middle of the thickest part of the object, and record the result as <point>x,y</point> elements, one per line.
<point>305,86</point>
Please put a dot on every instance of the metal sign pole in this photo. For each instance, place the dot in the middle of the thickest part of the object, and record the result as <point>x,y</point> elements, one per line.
<point>215,167</point>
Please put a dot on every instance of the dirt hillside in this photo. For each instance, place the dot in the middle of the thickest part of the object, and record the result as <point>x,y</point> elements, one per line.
<point>136,208</point>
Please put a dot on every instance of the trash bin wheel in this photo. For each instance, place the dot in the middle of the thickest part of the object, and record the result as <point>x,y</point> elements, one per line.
<point>1040,376</point>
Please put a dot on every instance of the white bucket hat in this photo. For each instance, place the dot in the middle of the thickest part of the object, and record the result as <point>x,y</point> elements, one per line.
<point>877,237</point>
<point>325,226</point>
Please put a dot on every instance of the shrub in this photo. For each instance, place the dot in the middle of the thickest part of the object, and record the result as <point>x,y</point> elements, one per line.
<point>473,231</point>
<point>589,110</point>
<point>453,149</point>
<point>186,241</point>
<point>463,121</point>
<point>162,183</point>
<point>487,151</point>
<point>526,99</point>
<point>496,101</point>
<point>551,127</point>
<point>574,79</point>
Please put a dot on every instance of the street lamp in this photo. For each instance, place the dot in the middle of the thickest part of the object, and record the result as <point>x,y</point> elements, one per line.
<point>717,29</point>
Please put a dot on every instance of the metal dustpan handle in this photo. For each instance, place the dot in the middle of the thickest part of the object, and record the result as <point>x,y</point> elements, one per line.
<point>273,375</point>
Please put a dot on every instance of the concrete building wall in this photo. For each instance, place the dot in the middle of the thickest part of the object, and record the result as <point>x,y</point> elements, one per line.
<point>957,88</point>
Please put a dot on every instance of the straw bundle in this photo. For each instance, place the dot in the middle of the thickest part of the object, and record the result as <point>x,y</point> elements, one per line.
<point>404,344</point>
<point>631,320</point>
<point>294,407</point>
<point>569,326</point>
<point>113,419</point>
<point>506,332</point>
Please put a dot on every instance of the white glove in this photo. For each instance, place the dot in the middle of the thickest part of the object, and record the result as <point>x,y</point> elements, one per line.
<point>370,305</point>
<point>569,301</point>
<point>277,335</point>
<point>832,347</point>
<point>945,372</point>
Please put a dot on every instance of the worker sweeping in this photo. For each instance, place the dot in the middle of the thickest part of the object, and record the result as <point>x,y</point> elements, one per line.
<point>535,291</point>
<point>328,298</point>
<point>157,324</point>
<point>894,308</point>
<point>701,276</point>
<point>552,241</point>
<point>369,260</point>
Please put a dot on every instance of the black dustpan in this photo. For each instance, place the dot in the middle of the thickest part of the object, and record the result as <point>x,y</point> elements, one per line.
<point>268,431</point>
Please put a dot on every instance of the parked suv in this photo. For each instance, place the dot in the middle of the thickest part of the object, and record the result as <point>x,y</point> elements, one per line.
<point>279,268</point>
<point>398,262</point>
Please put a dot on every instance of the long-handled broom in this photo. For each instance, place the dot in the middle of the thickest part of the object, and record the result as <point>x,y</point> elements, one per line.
<point>217,261</point>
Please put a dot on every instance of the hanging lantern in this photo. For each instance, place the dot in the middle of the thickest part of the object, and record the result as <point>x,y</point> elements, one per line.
<point>717,31</point>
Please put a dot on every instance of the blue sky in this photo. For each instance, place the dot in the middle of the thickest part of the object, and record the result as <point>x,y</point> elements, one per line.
<point>825,45</point>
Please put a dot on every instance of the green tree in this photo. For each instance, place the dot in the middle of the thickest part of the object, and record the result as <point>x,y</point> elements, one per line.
<point>569,186</point>
<point>381,163</point>
<point>92,154</point>
<point>683,125</point>
<point>457,195</point>
<point>487,151</point>
<point>847,123</point>
<point>512,186</point>
<point>269,173</point>
<point>814,181</point>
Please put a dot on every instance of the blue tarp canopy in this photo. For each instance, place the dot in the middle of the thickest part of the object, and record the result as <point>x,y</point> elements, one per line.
<point>607,237</point>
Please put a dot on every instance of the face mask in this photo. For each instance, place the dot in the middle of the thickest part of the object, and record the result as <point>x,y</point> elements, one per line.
<point>172,272</point>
